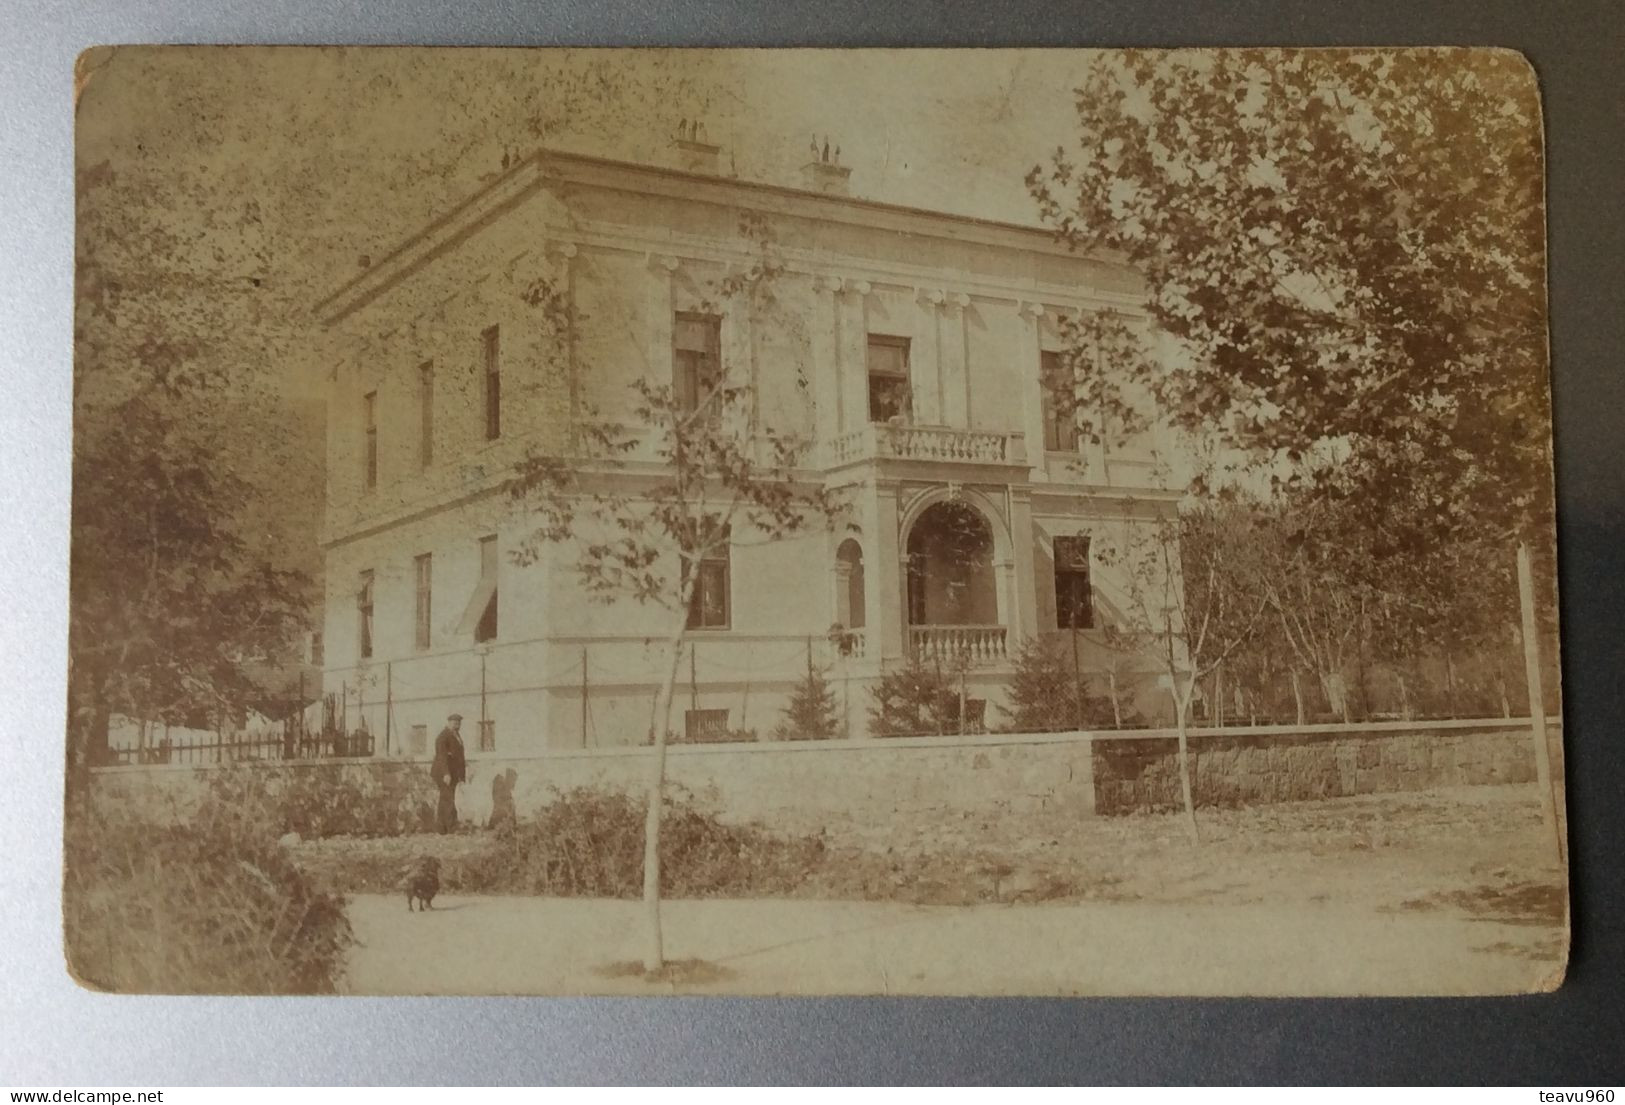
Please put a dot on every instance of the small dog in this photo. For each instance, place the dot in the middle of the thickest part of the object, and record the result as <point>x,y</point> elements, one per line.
<point>422,883</point>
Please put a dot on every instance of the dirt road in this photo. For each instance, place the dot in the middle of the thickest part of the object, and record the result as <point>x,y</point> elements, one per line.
<point>516,945</point>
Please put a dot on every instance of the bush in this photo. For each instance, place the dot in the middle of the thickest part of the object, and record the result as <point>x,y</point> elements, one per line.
<point>915,701</point>
<point>589,844</point>
<point>211,907</point>
<point>317,800</point>
<point>1044,693</point>
<point>810,714</point>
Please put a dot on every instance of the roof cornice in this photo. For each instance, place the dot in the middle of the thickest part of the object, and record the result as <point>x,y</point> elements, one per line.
<point>446,232</point>
<point>548,167</point>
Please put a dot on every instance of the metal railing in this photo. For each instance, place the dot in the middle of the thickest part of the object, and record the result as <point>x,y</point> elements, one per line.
<point>260,747</point>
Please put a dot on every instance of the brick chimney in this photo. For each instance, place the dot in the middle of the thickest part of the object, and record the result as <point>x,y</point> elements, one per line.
<point>825,173</point>
<point>694,152</point>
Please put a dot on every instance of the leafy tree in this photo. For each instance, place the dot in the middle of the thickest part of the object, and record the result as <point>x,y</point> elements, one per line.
<point>811,713</point>
<point>1345,246</point>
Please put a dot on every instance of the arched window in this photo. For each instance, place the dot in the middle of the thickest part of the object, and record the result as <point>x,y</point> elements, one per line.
<point>849,597</point>
<point>950,567</point>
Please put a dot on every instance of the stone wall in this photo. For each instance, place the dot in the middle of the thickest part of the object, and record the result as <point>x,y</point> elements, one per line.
<point>1085,773</point>
<point>1262,765</point>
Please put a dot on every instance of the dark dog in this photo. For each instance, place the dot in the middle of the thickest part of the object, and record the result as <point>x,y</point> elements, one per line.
<point>422,883</point>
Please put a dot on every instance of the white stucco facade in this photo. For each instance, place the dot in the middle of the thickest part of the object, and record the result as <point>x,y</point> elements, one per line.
<point>414,470</point>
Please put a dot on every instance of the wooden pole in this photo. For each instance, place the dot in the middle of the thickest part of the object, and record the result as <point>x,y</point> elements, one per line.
<point>693,680</point>
<point>583,696</point>
<point>389,703</point>
<point>482,697</point>
<point>1537,701</point>
<point>1077,677</point>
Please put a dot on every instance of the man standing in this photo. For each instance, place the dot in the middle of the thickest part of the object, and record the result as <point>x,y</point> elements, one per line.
<point>449,769</point>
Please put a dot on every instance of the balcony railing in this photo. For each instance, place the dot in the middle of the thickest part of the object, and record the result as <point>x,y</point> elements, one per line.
<point>934,443</point>
<point>974,645</point>
<point>850,644</point>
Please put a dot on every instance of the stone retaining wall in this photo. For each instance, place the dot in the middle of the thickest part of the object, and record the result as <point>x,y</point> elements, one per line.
<point>1085,773</point>
<point>1259,766</point>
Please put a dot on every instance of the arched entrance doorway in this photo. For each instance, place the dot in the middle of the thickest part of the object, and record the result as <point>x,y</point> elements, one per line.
<point>953,593</point>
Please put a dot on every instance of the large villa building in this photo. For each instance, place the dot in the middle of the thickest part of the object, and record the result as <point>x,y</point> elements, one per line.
<point>906,346</point>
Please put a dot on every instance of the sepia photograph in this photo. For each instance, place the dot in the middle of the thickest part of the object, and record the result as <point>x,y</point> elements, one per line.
<point>803,522</point>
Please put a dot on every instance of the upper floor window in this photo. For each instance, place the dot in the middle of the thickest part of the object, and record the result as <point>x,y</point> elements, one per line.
<point>710,606</point>
<point>1074,596</point>
<point>1060,426</point>
<point>423,571</point>
<point>889,399</point>
<point>696,358</point>
<point>369,444</point>
<point>363,606</point>
<point>491,346</point>
<point>426,413</point>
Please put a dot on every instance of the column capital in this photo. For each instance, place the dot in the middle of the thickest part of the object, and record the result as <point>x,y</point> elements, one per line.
<point>933,297</point>
<point>566,250</point>
<point>1032,310</point>
<point>664,262</point>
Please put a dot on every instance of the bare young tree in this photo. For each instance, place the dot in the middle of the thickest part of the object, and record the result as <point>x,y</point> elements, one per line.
<point>1190,604</point>
<point>651,540</point>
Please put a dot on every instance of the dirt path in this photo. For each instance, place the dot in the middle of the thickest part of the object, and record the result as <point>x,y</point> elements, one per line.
<point>515,945</point>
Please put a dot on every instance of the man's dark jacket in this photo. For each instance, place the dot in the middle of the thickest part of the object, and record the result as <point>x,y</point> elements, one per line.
<point>448,757</point>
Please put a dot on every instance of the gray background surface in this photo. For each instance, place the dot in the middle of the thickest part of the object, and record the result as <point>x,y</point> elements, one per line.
<point>54,1034</point>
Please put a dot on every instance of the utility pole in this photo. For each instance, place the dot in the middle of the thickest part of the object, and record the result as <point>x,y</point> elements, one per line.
<point>1537,700</point>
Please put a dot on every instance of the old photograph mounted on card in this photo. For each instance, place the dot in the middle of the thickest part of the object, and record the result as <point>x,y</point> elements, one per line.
<point>812,522</point>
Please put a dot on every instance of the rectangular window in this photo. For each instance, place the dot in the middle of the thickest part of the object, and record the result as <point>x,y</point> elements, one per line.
<point>488,735</point>
<point>709,607</point>
<point>492,343</point>
<point>424,572</point>
<point>369,445</point>
<point>363,606</point>
<point>696,358</point>
<point>1060,426</point>
<point>426,413</point>
<point>418,742</point>
<point>889,398</point>
<point>1074,597</point>
<point>316,650</point>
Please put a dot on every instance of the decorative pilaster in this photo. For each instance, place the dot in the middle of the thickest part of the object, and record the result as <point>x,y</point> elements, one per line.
<point>827,360</point>
<point>1032,387</point>
<point>925,359</point>
<point>663,268</point>
<point>954,360</point>
<point>852,345</point>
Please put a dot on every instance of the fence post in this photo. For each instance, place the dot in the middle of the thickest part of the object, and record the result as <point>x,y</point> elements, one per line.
<point>1537,701</point>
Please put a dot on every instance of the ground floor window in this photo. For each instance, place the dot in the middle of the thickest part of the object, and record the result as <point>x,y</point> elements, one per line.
<point>709,607</point>
<point>1074,594</point>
